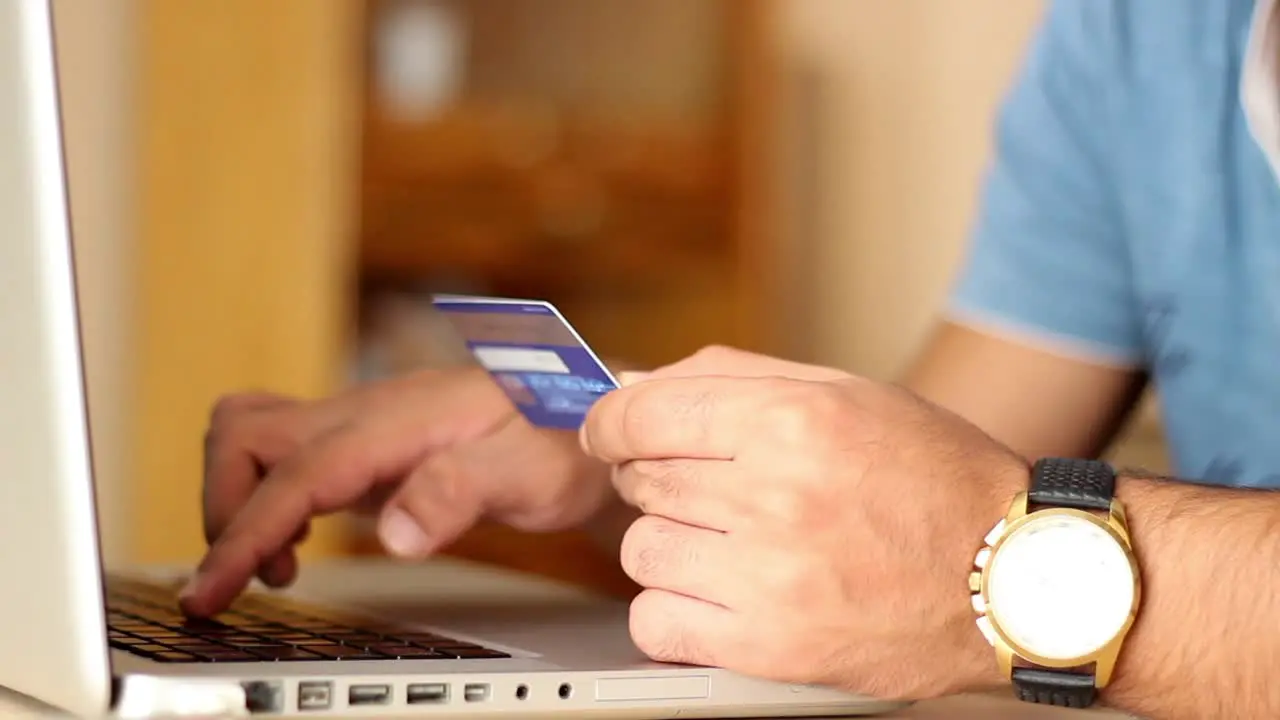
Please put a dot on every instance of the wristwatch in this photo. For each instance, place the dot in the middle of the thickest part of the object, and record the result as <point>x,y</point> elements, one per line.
<point>1056,584</point>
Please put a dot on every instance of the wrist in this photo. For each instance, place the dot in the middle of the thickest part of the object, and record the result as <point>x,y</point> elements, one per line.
<point>1150,523</point>
<point>981,671</point>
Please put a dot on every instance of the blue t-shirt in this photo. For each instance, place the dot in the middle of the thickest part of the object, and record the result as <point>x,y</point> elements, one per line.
<point>1131,212</point>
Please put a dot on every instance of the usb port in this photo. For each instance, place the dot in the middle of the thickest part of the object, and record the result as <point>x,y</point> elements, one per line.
<point>315,695</point>
<point>475,692</point>
<point>369,695</point>
<point>427,693</point>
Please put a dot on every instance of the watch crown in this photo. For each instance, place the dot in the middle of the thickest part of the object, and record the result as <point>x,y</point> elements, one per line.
<point>995,533</point>
<point>975,582</point>
<point>983,556</point>
<point>984,626</point>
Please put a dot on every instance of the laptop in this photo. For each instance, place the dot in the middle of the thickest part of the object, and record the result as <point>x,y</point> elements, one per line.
<point>455,641</point>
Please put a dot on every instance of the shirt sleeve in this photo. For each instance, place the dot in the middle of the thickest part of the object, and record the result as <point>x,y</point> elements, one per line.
<point>1048,261</point>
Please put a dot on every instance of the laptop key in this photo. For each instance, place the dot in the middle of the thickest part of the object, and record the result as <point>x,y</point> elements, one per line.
<point>127,643</point>
<point>229,655</point>
<point>240,639</point>
<point>309,641</point>
<point>473,653</point>
<point>409,652</point>
<point>148,649</point>
<point>353,639</point>
<point>285,653</point>
<point>343,652</point>
<point>255,646</point>
<point>217,632</point>
<point>197,647</point>
<point>174,656</point>
<point>293,638</point>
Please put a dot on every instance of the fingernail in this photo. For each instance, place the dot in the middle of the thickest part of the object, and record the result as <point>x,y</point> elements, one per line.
<point>401,535</point>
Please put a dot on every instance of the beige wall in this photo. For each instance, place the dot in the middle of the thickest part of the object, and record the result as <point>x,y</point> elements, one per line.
<point>901,96</point>
<point>93,40</point>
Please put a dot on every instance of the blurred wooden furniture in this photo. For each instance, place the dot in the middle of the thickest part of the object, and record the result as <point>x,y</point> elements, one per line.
<point>246,153</point>
<point>615,158</point>
<point>524,183</point>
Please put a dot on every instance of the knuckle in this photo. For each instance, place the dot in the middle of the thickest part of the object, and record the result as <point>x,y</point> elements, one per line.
<point>637,417</point>
<point>650,420</point>
<point>652,482</point>
<point>235,409</point>
<point>694,411</point>
<point>227,409</point>
<point>239,422</point>
<point>806,497</point>
<point>716,355</point>
<point>337,467</point>
<point>643,550</point>
<point>645,626</point>
<point>228,434</point>
<point>790,423</point>
<point>653,630</point>
<point>806,414</point>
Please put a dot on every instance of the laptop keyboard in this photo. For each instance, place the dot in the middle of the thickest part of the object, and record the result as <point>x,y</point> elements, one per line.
<point>144,619</point>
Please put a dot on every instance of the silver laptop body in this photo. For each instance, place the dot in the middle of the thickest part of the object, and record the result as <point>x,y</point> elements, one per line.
<point>442,640</point>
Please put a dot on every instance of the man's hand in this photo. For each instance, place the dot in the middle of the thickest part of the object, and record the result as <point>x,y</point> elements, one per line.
<point>805,530</point>
<point>431,453</point>
<point>732,362</point>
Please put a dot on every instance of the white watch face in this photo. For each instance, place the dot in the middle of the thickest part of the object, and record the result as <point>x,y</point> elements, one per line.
<point>1060,586</point>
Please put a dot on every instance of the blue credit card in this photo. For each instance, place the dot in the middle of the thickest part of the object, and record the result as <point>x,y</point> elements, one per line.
<point>534,355</point>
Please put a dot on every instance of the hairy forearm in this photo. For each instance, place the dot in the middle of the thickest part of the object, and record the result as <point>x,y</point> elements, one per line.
<point>1207,639</point>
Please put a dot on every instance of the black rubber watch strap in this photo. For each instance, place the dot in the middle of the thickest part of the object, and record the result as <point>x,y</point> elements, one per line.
<point>1054,687</point>
<point>1082,484</point>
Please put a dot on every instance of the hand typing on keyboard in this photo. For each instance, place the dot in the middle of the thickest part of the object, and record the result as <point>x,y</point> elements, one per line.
<point>430,453</point>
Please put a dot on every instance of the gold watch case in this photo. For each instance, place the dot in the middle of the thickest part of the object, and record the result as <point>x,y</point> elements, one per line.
<point>1104,658</point>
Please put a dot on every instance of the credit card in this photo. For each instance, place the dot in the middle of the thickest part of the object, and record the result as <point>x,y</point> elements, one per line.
<point>534,355</point>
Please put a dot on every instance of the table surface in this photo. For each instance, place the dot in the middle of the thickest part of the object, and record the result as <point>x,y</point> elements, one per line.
<point>990,706</point>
